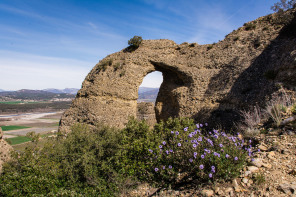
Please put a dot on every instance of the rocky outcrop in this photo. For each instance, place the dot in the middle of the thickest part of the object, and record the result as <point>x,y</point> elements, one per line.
<point>207,82</point>
<point>5,149</point>
<point>145,111</point>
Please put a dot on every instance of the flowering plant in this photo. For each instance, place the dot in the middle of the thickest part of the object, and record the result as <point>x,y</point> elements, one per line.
<point>195,152</point>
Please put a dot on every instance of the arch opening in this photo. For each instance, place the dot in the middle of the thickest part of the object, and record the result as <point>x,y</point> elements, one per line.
<point>147,95</point>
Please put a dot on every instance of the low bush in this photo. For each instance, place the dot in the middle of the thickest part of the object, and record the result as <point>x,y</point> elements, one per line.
<point>250,26</point>
<point>293,109</point>
<point>135,42</point>
<point>194,153</point>
<point>100,161</point>
<point>83,163</point>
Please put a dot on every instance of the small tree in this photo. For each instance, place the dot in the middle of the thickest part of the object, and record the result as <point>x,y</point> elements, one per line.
<point>135,42</point>
<point>283,5</point>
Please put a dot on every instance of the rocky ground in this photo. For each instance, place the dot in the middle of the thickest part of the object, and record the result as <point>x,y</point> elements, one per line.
<point>272,173</point>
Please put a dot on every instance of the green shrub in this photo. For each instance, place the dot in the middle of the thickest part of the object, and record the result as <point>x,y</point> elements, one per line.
<point>293,109</point>
<point>188,151</point>
<point>136,140</point>
<point>250,26</point>
<point>99,161</point>
<point>258,179</point>
<point>84,163</point>
<point>283,5</point>
<point>117,66</point>
<point>135,42</point>
<point>104,64</point>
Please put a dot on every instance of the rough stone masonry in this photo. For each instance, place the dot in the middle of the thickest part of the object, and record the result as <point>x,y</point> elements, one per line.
<point>207,82</point>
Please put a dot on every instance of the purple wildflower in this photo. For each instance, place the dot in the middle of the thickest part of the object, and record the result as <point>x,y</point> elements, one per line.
<point>163,167</point>
<point>190,160</point>
<point>167,152</point>
<point>170,167</point>
<point>190,135</point>
<point>164,143</point>
<point>172,131</point>
<point>199,138</point>
<point>151,151</point>
<point>160,146</point>
<point>171,150</point>
<point>156,169</point>
<point>200,125</point>
<point>206,124</point>
<point>210,175</point>
<point>194,145</point>
<point>235,158</point>
<point>186,129</point>
<point>226,155</point>
<point>202,156</point>
<point>197,125</point>
<point>259,150</point>
<point>177,133</point>
<point>221,145</point>
<point>201,167</point>
<point>179,144</point>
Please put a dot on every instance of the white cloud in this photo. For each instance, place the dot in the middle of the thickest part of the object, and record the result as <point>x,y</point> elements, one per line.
<point>20,70</point>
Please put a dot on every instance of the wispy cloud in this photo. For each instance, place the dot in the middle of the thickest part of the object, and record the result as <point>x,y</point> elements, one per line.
<point>38,72</point>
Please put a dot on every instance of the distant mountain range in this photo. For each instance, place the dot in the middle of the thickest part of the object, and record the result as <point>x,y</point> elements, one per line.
<point>148,94</point>
<point>26,94</point>
<point>66,90</point>
<point>145,94</point>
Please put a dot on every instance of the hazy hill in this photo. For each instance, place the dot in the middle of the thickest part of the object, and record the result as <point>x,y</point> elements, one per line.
<point>26,94</point>
<point>66,90</point>
<point>145,89</point>
<point>150,94</point>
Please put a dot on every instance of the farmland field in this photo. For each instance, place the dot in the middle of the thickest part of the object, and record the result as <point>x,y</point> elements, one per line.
<point>18,140</point>
<point>13,127</point>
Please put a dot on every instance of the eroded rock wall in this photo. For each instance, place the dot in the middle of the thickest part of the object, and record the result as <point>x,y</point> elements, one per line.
<point>207,82</point>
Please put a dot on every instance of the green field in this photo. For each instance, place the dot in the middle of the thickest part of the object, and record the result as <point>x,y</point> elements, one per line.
<point>13,127</point>
<point>18,140</point>
<point>11,102</point>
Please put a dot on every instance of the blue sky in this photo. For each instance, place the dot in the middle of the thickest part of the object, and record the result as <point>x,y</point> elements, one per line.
<point>54,44</point>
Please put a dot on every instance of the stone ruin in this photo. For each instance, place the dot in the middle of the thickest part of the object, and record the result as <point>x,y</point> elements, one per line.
<point>210,82</point>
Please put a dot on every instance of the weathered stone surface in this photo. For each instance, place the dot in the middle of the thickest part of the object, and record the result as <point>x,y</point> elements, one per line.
<point>206,82</point>
<point>207,192</point>
<point>262,148</point>
<point>253,169</point>
<point>288,188</point>
<point>5,149</point>
<point>145,111</point>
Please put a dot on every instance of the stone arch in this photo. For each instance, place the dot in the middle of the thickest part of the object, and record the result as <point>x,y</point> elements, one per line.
<point>171,92</point>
